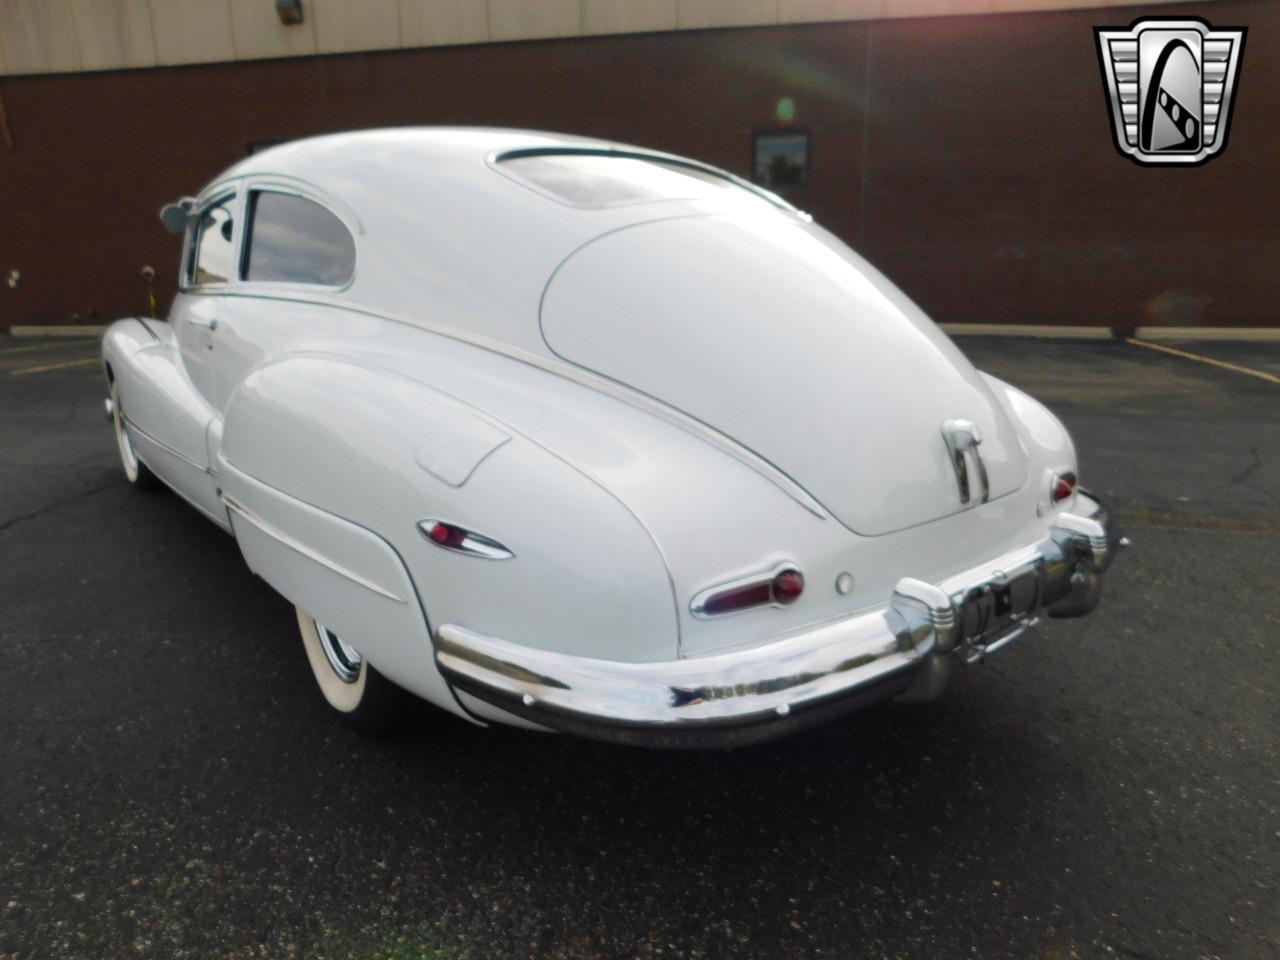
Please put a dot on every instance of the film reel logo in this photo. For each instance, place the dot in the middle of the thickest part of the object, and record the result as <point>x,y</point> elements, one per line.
<point>1170,85</point>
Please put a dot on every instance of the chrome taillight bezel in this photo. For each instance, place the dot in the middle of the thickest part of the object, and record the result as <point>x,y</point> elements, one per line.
<point>704,606</point>
<point>462,540</point>
<point>1065,476</point>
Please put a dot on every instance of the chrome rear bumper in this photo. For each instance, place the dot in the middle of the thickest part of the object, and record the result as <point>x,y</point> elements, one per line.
<point>803,679</point>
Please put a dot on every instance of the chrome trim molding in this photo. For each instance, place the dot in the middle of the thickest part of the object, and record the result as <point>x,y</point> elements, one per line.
<point>245,514</point>
<point>737,689</point>
<point>962,436</point>
<point>172,451</point>
<point>937,606</point>
<point>698,605</point>
<point>767,691</point>
<point>472,544</point>
<point>344,660</point>
<point>1093,530</point>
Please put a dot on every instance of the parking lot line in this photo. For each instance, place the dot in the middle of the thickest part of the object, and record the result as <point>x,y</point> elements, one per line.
<point>1186,354</point>
<point>54,366</point>
<point>48,346</point>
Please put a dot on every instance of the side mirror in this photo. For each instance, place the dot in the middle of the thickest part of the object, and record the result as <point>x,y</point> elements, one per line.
<point>174,216</point>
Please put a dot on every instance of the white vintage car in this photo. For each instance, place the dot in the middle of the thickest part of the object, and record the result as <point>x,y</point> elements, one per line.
<point>572,435</point>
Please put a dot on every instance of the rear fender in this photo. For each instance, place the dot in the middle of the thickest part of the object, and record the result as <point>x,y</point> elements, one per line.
<point>338,455</point>
<point>1050,450</point>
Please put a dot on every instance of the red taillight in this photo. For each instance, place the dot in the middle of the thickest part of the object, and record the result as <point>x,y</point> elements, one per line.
<point>781,588</point>
<point>787,586</point>
<point>1064,485</point>
<point>450,536</point>
<point>447,535</point>
<point>739,598</point>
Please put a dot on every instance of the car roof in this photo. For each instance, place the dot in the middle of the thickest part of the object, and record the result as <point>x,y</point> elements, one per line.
<point>307,156</point>
<point>444,233</point>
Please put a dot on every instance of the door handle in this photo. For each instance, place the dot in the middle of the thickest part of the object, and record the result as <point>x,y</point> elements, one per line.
<point>210,324</point>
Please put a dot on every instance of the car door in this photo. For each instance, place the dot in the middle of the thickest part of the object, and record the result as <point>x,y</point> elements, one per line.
<point>296,252</point>
<point>174,426</point>
<point>209,273</point>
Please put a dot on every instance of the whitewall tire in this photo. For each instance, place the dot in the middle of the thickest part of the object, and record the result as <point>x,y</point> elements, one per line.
<point>351,685</point>
<point>135,471</point>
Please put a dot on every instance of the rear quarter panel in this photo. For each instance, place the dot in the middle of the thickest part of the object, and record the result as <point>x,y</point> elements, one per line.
<point>379,451</point>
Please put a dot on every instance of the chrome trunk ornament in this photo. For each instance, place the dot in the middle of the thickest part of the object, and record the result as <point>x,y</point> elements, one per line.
<point>961,436</point>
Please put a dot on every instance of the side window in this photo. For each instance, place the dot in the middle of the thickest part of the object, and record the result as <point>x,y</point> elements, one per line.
<point>212,256</point>
<point>295,240</point>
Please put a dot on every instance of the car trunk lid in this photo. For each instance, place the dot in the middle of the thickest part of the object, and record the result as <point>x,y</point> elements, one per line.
<point>778,336</point>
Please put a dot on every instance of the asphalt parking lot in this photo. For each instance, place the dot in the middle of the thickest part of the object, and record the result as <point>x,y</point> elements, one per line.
<point>171,785</point>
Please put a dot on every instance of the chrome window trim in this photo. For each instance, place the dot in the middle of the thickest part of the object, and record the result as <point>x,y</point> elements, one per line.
<point>253,185</point>
<point>227,193</point>
<point>283,183</point>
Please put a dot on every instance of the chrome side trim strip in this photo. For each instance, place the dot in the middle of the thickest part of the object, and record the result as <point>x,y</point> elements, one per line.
<point>280,536</point>
<point>147,327</point>
<point>172,451</point>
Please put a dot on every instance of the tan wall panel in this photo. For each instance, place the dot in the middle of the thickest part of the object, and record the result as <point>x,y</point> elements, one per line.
<point>113,34</point>
<point>940,8</point>
<point>109,34</point>
<point>627,16</point>
<point>192,31</point>
<point>38,36</point>
<point>345,26</point>
<point>428,23</point>
<point>944,8</point>
<point>523,20</point>
<point>259,34</point>
<point>801,11</point>
<point>696,14</point>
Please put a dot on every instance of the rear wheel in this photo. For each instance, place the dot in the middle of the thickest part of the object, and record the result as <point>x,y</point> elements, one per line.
<point>135,471</point>
<point>366,699</point>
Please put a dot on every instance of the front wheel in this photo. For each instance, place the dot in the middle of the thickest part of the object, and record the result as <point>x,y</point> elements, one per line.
<point>135,471</point>
<point>366,699</point>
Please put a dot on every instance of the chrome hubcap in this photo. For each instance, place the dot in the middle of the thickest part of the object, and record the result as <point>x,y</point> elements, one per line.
<point>342,658</point>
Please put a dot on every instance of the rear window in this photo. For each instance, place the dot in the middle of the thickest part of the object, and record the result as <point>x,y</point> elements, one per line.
<point>603,179</point>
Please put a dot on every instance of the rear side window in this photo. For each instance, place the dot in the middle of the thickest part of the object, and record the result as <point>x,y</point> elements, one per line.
<point>212,252</point>
<point>295,240</point>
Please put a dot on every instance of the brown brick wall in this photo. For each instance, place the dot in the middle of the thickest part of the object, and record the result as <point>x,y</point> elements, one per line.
<point>968,157</point>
